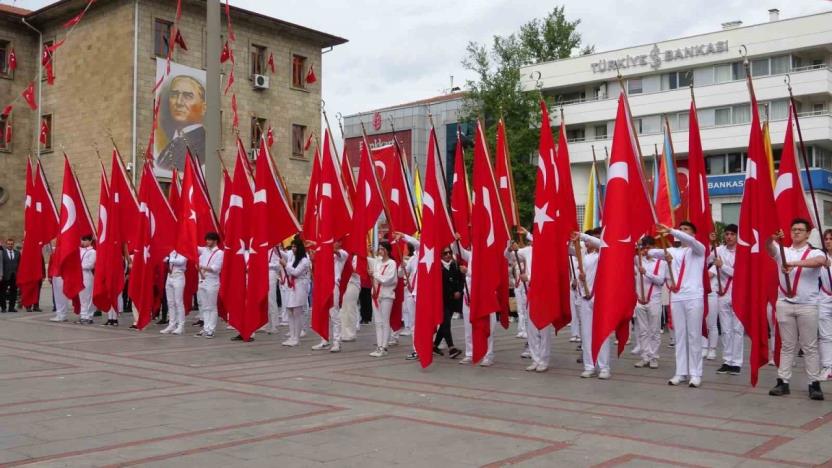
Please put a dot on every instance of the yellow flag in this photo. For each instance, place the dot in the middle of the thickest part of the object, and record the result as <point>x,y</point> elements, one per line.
<point>769,153</point>
<point>590,209</point>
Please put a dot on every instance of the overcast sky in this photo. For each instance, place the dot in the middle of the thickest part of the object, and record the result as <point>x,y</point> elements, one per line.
<point>401,50</point>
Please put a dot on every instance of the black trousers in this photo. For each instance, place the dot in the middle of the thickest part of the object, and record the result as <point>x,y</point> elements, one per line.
<point>365,302</point>
<point>8,293</point>
<point>444,332</point>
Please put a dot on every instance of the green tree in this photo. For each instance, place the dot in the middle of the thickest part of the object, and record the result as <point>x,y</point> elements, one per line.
<point>496,91</point>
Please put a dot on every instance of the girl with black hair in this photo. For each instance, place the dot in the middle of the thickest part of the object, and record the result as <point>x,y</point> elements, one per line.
<point>384,274</point>
<point>297,266</point>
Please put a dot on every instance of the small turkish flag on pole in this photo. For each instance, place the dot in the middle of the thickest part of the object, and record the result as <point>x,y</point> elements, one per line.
<point>308,143</point>
<point>310,77</point>
<point>8,136</point>
<point>29,96</point>
<point>12,60</point>
<point>235,123</point>
<point>226,53</point>
<point>44,132</point>
<point>230,82</point>
<point>179,40</point>
<point>6,111</point>
<point>270,137</point>
<point>271,61</point>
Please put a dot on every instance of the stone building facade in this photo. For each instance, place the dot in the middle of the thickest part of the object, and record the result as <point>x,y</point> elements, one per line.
<point>108,65</point>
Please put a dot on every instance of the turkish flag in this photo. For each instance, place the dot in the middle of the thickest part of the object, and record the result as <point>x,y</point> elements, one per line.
<point>505,179</point>
<point>226,53</point>
<point>43,137</point>
<point>6,112</point>
<point>238,247</point>
<point>29,96</point>
<point>489,241</point>
<point>72,22</point>
<point>7,137</point>
<point>390,169</point>
<point>40,227</point>
<point>175,193</point>
<point>101,296</point>
<point>346,174</point>
<point>788,190</point>
<point>437,234</point>
<point>271,61</point>
<point>367,207</point>
<point>75,224</point>
<point>755,272</point>
<point>125,205</point>
<point>627,216</point>
<point>191,273</point>
<point>310,76</point>
<point>270,137</point>
<point>230,82</point>
<point>334,215</point>
<point>156,238</point>
<point>12,60</point>
<point>197,215</point>
<point>179,40</point>
<point>226,197</point>
<point>461,196</point>
<point>310,213</point>
<point>547,297</point>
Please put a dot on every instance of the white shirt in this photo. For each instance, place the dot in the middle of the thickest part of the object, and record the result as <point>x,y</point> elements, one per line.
<point>385,277</point>
<point>826,289</point>
<point>340,260</point>
<point>87,259</point>
<point>807,285</point>
<point>297,280</point>
<point>650,284</point>
<point>590,263</point>
<point>274,260</point>
<point>692,255</point>
<point>176,264</point>
<point>728,256</point>
<point>211,259</point>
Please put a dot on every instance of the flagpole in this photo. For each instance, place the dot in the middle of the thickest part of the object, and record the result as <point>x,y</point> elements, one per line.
<point>597,176</point>
<point>406,173</point>
<point>663,239</point>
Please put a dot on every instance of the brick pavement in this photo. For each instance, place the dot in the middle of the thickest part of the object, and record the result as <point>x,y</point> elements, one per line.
<point>73,395</point>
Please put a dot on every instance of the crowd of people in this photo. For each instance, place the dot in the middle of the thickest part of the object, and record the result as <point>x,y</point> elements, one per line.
<point>669,287</point>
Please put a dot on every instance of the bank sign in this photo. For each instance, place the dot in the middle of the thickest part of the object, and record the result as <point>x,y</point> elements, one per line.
<point>732,184</point>
<point>658,56</point>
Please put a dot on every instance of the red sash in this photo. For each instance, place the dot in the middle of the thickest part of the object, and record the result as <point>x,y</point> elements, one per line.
<point>796,276</point>
<point>678,284</point>
<point>649,291</point>
<point>377,288</point>
<point>724,291</point>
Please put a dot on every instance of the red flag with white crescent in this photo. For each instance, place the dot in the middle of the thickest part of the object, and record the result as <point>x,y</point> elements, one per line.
<point>40,226</point>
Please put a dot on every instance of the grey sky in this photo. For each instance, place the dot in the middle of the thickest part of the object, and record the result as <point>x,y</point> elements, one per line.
<point>401,50</point>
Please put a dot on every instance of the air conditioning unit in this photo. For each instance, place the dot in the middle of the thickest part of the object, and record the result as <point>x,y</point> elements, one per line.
<point>261,82</point>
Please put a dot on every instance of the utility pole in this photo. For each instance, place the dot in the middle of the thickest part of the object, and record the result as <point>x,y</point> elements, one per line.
<point>212,115</point>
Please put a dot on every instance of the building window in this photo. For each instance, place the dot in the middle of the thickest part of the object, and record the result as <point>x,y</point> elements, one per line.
<point>46,46</point>
<point>737,71</point>
<point>258,126</point>
<point>723,73</point>
<point>820,157</point>
<point>298,204</point>
<point>4,145</point>
<point>580,210</point>
<point>715,164</point>
<point>730,213</point>
<point>575,134</point>
<point>161,37</point>
<point>734,163</point>
<point>4,57</point>
<point>258,60</point>
<point>676,80</point>
<point>760,67</point>
<point>634,86</point>
<point>600,132</point>
<point>298,140</point>
<point>46,120</point>
<point>723,116</point>
<point>298,71</point>
<point>780,65</point>
<point>741,114</point>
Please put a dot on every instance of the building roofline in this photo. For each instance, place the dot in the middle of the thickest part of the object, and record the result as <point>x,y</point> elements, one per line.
<point>14,11</point>
<point>675,39</point>
<point>431,100</point>
<point>325,39</point>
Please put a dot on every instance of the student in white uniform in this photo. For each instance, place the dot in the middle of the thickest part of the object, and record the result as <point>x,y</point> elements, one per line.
<point>650,276</point>
<point>384,273</point>
<point>87,270</point>
<point>586,304</point>
<point>517,270</point>
<point>334,343</point>
<point>733,333</point>
<point>409,267</point>
<point>825,314</point>
<point>349,308</point>
<point>687,300</point>
<point>298,272</point>
<point>175,293</point>
<point>210,265</point>
<point>274,279</point>
<point>797,307</point>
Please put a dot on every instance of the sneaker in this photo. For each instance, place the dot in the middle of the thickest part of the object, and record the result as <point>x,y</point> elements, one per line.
<point>641,363</point>
<point>636,350</point>
<point>179,330</point>
<point>384,351</point>
<point>695,382</point>
<point>825,374</point>
<point>166,331</point>
<point>393,342</point>
<point>574,339</point>
<point>541,368</point>
<point>377,352</point>
<point>526,354</point>
<point>465,360</point>
<point>711,355</point>
<point>133,327</point>
<point>200,333</point>
<point>210,335</point>
<point>486,363</point>
<point>772,363</point>
<point>321,346</point>
<point>724,369</point>
<point>57,319</point>
<point>654,364</point>
<point>587,374</point>
<point>604,374</point>
<point>412,357</point>
<point>438,351</point>
<point>198,323</point>
<point>302,333</point>
<point>676,380</point>
<point>115,323</point>
<point>735,370</point>
<point>290,342</point>
<point>348,340</point>
<point>671,345</point>
<point>782,388</point>
<point>532,367</point>
<point>454,353</point>
<point>815,393</point>
<point>405,332</point>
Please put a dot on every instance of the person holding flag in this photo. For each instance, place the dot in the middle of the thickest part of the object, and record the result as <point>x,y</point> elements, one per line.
<point>210,265</point>
<point>733,333</point>
<point>175,293</point>
<point>384,273</point>
<point>586,304</point>
<point>340,257</point>
<point>650,277</point>
<point>87,252</point>
<point>298,269</point>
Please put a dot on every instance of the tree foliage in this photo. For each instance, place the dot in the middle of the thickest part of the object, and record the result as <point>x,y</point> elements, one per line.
<point>496,90</point>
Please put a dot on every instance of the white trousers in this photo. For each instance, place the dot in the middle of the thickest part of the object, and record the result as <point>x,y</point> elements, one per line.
<point>522,309</point>
<point>296,317</point>
<point>649,324</point>
<point>274,310</point>
<point>207,295</point>
<point>540,343</point>
<point>798,325</point>
<point>409,310</point>
<point>825,333</point>
<point>61,302</point>
<point>575,326</point>
<point>585,307</point>
<point>175,293</point>
<point>710,342</point>
<point>733,333</point>
<point>349,311</point>
<point>85,296</point>
<point>284,311</point>
<point>469,340</point>
<point>335,317</point>
<point>381,320</point>
<point>687,330</point>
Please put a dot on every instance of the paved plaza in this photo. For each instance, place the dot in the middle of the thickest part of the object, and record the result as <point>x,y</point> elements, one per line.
<point>73,395</point>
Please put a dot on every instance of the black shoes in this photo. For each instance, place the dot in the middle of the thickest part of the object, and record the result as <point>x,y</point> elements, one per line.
<point>454,353</point>
<point>412,356</point>
<point>162,322</point>
<point>724,369</point>
<point>735,370</point>
<point>438,351</point>
<point>782,388</point>
<point>815,392</point>
<point>198,323</point>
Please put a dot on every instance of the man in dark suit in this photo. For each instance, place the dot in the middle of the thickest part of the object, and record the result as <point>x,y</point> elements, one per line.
<point>185,114</point>
<point>453,281</point>
<point>8,285</point>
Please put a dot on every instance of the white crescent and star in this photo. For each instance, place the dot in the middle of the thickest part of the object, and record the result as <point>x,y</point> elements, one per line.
<point>69,206</point>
